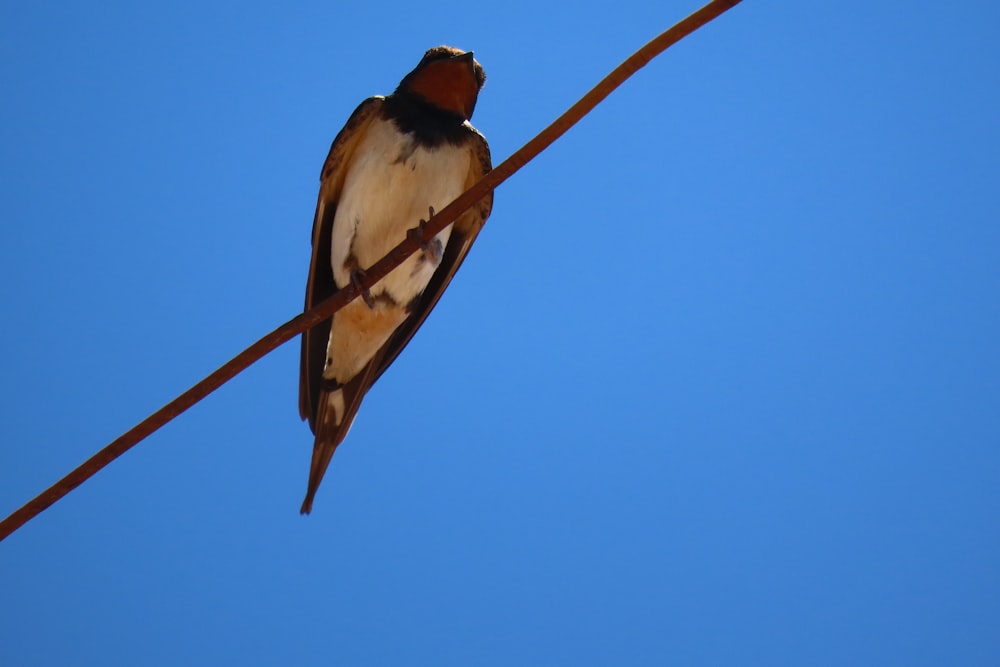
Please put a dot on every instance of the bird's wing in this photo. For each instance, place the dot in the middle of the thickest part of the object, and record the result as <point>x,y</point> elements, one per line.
<point>463,234</point>
<point>320,285</point>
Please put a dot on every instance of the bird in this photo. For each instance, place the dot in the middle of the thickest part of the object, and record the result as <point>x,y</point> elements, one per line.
<point>398,158</point>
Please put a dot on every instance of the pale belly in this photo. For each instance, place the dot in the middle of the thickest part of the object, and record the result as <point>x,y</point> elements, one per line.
<point>388,189</point>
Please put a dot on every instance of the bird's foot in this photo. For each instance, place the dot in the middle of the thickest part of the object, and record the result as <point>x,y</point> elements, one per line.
<point>432,247</point>
<point>357,275</point>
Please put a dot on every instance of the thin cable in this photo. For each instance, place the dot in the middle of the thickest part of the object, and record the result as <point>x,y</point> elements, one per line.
<point>325,310</point>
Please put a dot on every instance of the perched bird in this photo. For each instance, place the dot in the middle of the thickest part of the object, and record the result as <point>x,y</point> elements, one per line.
<point>398,158</point>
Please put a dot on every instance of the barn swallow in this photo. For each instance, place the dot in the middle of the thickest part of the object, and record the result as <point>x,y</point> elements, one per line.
<point>398,158</point>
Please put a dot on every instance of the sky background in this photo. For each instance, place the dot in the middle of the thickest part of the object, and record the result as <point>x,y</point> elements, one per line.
<point>718,385</point>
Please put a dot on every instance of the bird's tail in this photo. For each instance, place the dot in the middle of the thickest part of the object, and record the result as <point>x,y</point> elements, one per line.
<point>332,425</point>
<point>334,415</point>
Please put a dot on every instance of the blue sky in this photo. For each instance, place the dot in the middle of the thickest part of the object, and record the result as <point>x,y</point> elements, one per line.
<point>719,383</point>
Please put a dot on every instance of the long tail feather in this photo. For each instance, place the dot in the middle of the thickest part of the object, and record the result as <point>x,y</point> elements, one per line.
<point>331,430</point>
<point>334,416</point>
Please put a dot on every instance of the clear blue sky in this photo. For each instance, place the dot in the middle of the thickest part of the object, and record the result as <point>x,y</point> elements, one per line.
<point>718,385</point>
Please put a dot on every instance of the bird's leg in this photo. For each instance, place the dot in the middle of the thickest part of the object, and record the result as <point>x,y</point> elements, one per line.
<point>432,247</point>
<point>357,275</point>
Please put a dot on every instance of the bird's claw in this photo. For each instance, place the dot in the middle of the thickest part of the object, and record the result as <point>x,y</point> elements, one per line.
<point>432,247</point>
<point>357,275</point>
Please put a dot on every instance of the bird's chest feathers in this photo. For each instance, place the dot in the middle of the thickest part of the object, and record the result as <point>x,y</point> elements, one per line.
<point>390,185</point>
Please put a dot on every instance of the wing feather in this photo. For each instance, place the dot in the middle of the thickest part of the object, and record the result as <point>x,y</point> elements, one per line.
<point>320,283</point>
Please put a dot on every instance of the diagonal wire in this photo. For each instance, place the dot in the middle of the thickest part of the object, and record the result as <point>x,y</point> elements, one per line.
<point>382,268</point>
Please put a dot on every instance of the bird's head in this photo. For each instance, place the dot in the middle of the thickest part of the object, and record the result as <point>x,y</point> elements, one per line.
<point>448,79</point>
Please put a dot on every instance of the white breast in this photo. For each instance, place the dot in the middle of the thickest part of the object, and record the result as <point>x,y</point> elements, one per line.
<point>389,187</point>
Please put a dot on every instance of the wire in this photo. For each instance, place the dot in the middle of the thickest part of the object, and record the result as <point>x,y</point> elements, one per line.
<point>379,270</point>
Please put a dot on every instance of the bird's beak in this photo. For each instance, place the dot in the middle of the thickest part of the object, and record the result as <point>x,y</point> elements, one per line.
<point>468,57</point>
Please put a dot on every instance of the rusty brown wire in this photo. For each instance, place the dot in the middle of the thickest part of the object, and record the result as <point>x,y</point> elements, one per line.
<point>383,267</point>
